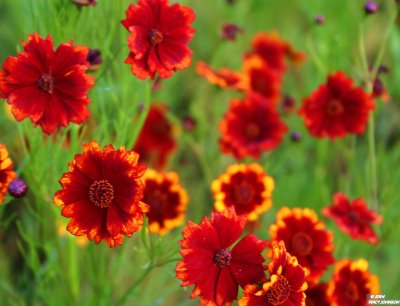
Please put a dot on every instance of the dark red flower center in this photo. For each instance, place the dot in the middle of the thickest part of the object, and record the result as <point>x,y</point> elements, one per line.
<point>351,291</point>
<point>155,37</point>
<point>244,193</point>
<point>279,292</point>
<point>302,244</point>
<point>46,83</point>
<point>334,107</point>
<point>222,257</point>
<point>101,193</point>
<point>252,131</point>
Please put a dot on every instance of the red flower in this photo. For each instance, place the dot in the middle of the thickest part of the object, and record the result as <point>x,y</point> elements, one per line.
<point>224,78</point>
<point>351,283</point>
<point>167,200</point>
<point>318,295</point>
<point>286,285</point>
<point>45,85</point>
<point>156,141</point>
<point>159,37</point>
<point>354,218</point>
<point>101,194</point>
<point>212,265</point>
<point>273,50</point>
<point>250,127</point>
<point>7,174</point>
<point>306,238</point>
<point>337,108</point>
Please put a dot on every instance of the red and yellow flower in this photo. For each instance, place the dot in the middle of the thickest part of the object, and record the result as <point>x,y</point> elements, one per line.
<point>156,139</point>
<point>245,187</point>
<point>7,174</point>
<point>250,127</point>
<point>49,87</point>
<point>286,285</point>
<point>353,217</point>
<point>167,200</point>
<point>351,283</point>
<point>306,238</point>
<point>102,193</point>
<point>212,265</point>
<point>159,38</point>
<point>337,108</point>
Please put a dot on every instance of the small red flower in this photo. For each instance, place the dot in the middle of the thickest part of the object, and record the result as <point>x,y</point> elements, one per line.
<point>351,283</point>
<point>159,37</point>
<point>337,108</point>
<point>245,187</point>
<point>286,285</point>
<point>102,193</point>
<point>354,218</point>
<point>156,139</point>
<point>7,174</point>
<point>306,238</point>
<point>167,200</point>
<point>211,263</point>
<point>49,87</point>
<point>317,295</point>
<point>223,78</point>
<point>250,127</point>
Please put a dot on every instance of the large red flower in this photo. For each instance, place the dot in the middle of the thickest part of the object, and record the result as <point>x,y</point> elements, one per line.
<point>159,37</point>
<point>213,265</point>
<point>354,218</point>
<point>156,140</point>
<point>101,194</point>
<point>306,238</point>
<point>47,86</point>
<point>7,174</point>
<point>337,108</point>
<point>250,127</point>
<point>286,285</point>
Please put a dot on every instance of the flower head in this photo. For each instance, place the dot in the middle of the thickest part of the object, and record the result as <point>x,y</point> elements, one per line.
<point>250,127</point>
<point>167,200</point>
<point>156,140</point>
<point>211,263</point>
<point>353,217</point>
<point>351,283</point>
<point>7,174</point>
<point>285,286</point>
<point>245,187</point>
<point>159,38</point>
<point>337,108</point>
<point>49,87</point>
<point>306,238</point>
<point>18,188</point>
<point>102,193</point>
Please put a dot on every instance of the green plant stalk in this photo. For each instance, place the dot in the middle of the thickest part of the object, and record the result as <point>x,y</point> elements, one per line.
<point>73,268</point>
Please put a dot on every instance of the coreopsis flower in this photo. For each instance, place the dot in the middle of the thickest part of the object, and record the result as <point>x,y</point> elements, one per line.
<point>223,78</point>
<point>102,193</point>
<point>274,50</point>
<point>159,38</point>
<point>285,286</point>
<point>245,187</point>
<point>156,139</point>
<point>167,200</point>
<point>306,238</point>
<point>337,108</point>
<point>7,174</point>
<point>18,188</point>
<point>353,217</point>
<point>250,127</point>
<point>262,79</point>
<point>317,295</point>
<point>229,31</point>
<point>351,283</point>
<point>49,87</point>
<point>214,263</point>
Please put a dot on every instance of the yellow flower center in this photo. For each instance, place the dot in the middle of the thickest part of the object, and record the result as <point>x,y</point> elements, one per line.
<point>101,193</point>
<point>302,244</point>
<point>279,292</point>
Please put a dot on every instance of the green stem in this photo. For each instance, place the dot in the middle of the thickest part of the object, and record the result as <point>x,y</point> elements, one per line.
<point>73,268</point>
